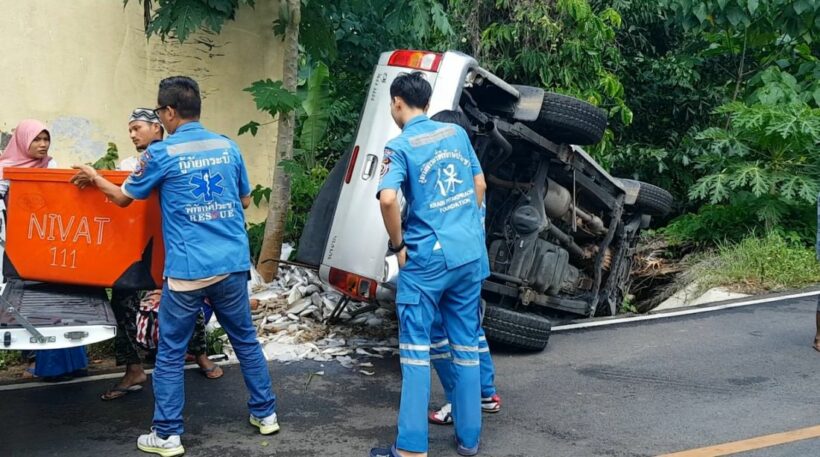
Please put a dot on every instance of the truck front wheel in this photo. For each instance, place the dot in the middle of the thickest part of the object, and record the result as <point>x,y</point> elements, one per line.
<point>521,330</point>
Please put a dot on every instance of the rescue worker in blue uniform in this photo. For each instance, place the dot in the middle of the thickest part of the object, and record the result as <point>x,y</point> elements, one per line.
<point>440,354</point>
<point>204,188</point>
<point>441,251</point>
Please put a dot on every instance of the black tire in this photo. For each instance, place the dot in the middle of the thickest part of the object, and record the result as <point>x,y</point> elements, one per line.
<point>653,200</point>
<point>526,331</point>
<point>565,119</point>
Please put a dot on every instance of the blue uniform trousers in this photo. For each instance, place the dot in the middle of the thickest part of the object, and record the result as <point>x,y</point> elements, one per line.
<point>177,314</point>
<point>423,291</point>
<point>443,361</point>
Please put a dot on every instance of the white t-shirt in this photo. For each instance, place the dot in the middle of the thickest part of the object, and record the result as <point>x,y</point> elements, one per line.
<point>129,164</point>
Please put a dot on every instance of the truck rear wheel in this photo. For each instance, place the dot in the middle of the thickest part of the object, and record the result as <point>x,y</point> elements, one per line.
<point>526,331</point>
<point>565,119</point>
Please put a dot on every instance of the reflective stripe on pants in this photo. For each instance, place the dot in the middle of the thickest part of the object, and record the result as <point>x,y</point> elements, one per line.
<point>442,361</point>
<point>423,292</point>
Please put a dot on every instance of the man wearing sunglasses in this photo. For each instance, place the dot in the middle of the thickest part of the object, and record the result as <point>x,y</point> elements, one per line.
<point>203,188</point>
<point>144,128</point>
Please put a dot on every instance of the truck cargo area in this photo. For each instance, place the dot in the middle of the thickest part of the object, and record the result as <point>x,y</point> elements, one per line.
<point>35,315</point>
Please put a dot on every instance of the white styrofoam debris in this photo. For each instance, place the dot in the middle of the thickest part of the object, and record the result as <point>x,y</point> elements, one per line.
<point>294,295</point>
<point>265,295</point>
<point>290,321</point>
<point>299,306</point>
<point>287,250</point>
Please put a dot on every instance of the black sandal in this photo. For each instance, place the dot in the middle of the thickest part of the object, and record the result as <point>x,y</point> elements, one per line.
<point>119,392</point>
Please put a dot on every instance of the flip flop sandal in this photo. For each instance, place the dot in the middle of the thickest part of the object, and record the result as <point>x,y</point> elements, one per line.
<point>119,392</point>
<point>207,372</point>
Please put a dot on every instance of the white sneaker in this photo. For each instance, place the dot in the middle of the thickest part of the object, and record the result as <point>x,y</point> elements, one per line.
<point>444,416</point>
<point>169,447</point>
<point>267,426</point>
<point>491,404</point>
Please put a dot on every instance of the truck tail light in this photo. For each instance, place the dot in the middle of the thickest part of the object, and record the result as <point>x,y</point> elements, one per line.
<point>351,165</point>
<point>354,286</point>
<point>418,60</point>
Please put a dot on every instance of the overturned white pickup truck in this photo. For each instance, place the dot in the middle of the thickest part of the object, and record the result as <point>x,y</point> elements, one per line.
<point>561,232</point>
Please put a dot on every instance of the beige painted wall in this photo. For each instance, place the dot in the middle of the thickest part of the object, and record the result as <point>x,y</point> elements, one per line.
<point>81,66</point>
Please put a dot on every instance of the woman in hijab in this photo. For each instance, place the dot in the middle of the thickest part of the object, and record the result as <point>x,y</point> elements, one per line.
<point>28,148</point>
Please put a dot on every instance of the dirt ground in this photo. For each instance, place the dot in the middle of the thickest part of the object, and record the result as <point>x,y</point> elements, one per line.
<point>15,372</point>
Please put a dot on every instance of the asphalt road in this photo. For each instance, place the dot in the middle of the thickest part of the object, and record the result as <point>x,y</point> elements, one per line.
<point>639,389</point>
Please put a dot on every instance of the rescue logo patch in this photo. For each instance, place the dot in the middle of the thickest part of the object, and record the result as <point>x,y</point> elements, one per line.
<point>447,179</point>
<point>385,167</point>
<point>139,169</point>
<point>206,185</point>
<point>142,163</point>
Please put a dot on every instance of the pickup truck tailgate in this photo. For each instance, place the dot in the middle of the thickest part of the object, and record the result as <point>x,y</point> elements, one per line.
<point>64,316</point>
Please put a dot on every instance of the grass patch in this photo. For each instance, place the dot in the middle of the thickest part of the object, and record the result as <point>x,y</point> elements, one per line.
<point>101,350</point>
<point>9,358</point>
<point>759,264</point>
<point>96,351</point>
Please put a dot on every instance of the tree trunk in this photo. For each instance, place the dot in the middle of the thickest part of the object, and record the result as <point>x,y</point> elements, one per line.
<point>146,14</point>
<point>268,265</point>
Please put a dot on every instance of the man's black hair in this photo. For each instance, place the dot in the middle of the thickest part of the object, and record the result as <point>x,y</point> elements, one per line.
<point>455,117</point>
<point>413,89</point>
<point>181,93</point>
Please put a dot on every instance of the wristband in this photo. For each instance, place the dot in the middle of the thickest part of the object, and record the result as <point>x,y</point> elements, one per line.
<point>397,249</point>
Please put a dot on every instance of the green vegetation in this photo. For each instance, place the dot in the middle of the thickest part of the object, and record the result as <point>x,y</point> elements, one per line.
<point>759,264</point>
<point>717,101</point>
<point>215,341</point>
<point>730,223</point>
<point>101,350</point>
<point>9,358</point>
<point>109,160</point>
<point>568,46</point>
<point>726,95</point>
<point>628,307</point>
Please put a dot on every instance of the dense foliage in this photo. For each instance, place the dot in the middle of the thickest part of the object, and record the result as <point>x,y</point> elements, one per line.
<point>565,46</point>
<point>346,36</point>
<point>715,100</point>
<point>726,95</point>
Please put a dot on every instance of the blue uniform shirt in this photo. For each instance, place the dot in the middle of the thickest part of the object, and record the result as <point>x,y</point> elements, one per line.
<point>433,164</point>
<point>201,177</point>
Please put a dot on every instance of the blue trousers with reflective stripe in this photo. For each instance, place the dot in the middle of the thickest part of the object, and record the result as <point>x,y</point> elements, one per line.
<point>424,291</point>
<point>443,361</point>
<point>177,315</point>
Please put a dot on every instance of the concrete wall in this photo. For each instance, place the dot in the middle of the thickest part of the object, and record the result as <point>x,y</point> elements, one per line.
<point>81,66</point>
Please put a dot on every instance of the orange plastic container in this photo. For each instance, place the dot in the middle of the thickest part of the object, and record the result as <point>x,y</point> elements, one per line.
<point>58,233</point>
